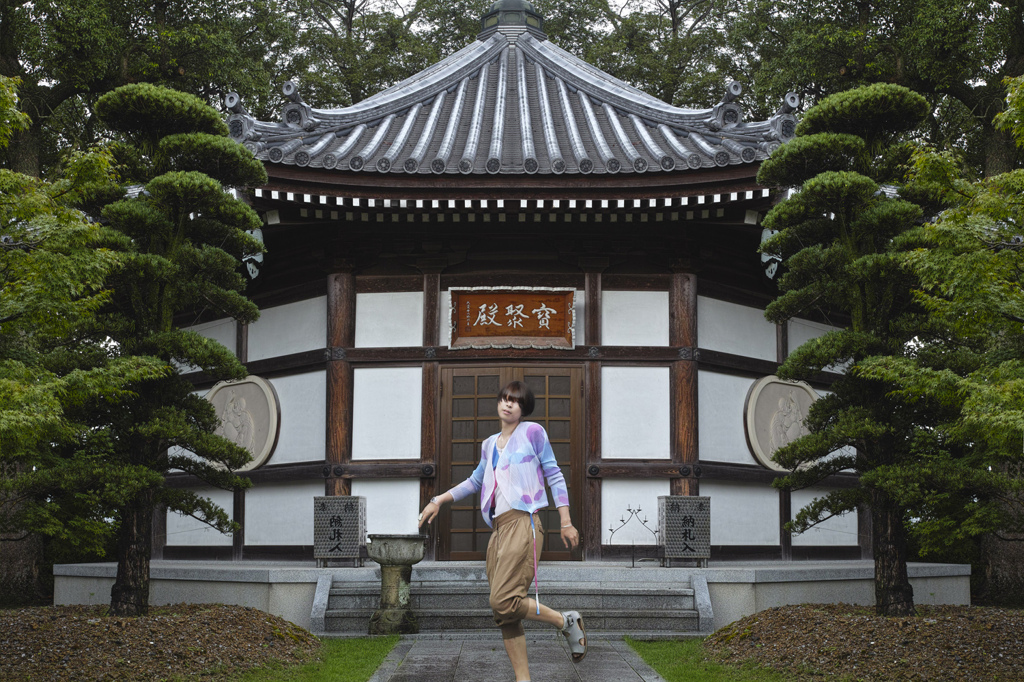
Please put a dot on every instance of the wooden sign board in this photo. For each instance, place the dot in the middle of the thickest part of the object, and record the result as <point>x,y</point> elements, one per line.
<point>512,317</point>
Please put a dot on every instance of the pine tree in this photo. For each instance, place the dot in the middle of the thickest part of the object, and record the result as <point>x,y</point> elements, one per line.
<point>836,237</point>
<point>180,242</point>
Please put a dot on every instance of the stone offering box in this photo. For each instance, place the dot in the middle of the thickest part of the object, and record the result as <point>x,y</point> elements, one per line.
<point>339,530</point>
<point>684,529</point>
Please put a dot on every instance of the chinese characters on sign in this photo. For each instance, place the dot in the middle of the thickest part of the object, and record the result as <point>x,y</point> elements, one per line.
<point>684,526</point>
<point>339,527</point>
<point>516,317</point>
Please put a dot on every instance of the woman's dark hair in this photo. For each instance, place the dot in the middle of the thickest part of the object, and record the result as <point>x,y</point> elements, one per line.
<point>518,392</point>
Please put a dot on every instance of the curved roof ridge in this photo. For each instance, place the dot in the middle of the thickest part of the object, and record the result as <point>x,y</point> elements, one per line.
<point>539,110</point>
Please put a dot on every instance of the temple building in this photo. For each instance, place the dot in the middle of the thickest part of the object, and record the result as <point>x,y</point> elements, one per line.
<point>513,212</point>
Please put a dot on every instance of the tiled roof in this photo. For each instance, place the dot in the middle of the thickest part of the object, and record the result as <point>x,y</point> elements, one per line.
<point>512,102</point>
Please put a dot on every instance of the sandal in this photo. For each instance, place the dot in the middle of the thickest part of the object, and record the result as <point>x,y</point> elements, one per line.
<point>575,635</point>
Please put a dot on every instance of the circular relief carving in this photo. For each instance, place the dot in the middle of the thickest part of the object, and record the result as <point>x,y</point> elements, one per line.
<point>493,164</point>
<point>748,154</point>
<point>330,160</point>
<point>640,165</point>
<point>586,165</point>
<point>236,128</point>
<point>253,147</point>
<point>411,165</point>
<point>732,116</point>
<point>558,166</point>
<point>293,116</point>
<point>356,163</point>
<point>250,416</point>
<point>428,470</point>
<point>302,159</point>
<point>722,158</point>
<point>276,154</point>
<point>697,471</point>
<point>465,166</point>
<point>383,164</point>
<point>613,165</point>
<point>774,415</point>
<point>326,471</point>
<point>437,165</point>
<point>594,470</point>
<point>788,129</point>
<point>530,165</point>
<point>338,470</point>
<point>667,163</point>
<point>693,161</point>
<point>684,470</point>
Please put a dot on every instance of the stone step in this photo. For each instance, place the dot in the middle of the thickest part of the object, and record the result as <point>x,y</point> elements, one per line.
<point>440,620</point>
<point>558,597</point>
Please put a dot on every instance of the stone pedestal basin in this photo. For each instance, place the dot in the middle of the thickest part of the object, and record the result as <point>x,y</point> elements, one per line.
<point>396,555</point>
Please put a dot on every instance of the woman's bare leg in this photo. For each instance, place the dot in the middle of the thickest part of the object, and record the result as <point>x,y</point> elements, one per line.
<point>515,647</point>
<point>547,614</point>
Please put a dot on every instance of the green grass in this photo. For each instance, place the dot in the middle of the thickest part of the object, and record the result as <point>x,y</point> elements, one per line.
<point>341,660</point>
<point>684,661</point>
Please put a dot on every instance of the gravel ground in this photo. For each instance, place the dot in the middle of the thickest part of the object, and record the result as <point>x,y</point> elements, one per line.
<point>841,642</point>
<point>183,641</point>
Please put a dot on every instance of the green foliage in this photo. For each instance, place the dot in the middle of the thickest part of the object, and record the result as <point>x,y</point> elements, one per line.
<point>840,238</point>
<point>95,411</point>
<point>954,52</point>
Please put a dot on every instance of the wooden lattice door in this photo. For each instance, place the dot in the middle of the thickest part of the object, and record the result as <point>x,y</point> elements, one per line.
<point>469,416</point>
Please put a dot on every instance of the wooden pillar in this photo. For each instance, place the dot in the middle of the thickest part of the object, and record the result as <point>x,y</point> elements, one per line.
<point>682,299</point>
<point>431,394</point>
<point>592,419</point>
<point>341,328</point>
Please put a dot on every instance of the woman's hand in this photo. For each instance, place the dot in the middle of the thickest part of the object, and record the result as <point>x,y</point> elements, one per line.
<point>429,513</point>
<point>570,536</point>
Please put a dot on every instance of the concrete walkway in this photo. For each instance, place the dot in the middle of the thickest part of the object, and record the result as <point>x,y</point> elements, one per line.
<point>473,658</point>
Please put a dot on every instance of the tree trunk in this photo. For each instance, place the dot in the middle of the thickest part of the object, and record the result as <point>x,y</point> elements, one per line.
<point>1000,152</point>
<point>23,151</point>
<point>894,596</point>
<point>130,594</point>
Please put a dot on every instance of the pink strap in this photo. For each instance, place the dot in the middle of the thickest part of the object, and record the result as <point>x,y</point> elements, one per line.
<point>536,581</point>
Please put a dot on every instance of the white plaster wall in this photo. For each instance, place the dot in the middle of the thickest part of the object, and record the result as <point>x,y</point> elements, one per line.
<point>634,318</point>
<point>303,434</point>
<point>391,504</point>
<point>444,318</point>
<point>800,332</point>
<point>185,530</point>
<point>280,513</point>
<point>218,330</point>
<point>734,328</point>
<point>743,513</point>
<point>221,331</point>
<point>386,419</point>
<point>289,328</point>
<point>617,497</point>
<point>635,412</point>
<point>837,531</point>
<point>389,319</point>
<point>720,432</point>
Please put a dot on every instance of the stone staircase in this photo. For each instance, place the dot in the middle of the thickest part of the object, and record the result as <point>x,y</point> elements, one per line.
<point>451,597</point>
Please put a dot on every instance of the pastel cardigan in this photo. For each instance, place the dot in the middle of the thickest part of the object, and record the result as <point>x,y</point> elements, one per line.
<point>521,470</point>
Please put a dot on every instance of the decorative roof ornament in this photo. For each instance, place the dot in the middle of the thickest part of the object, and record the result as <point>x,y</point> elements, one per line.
<point>506,14</point>
<point>512,102</point>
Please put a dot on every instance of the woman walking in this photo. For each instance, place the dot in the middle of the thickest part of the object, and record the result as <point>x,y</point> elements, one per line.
<point>510,481</point>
